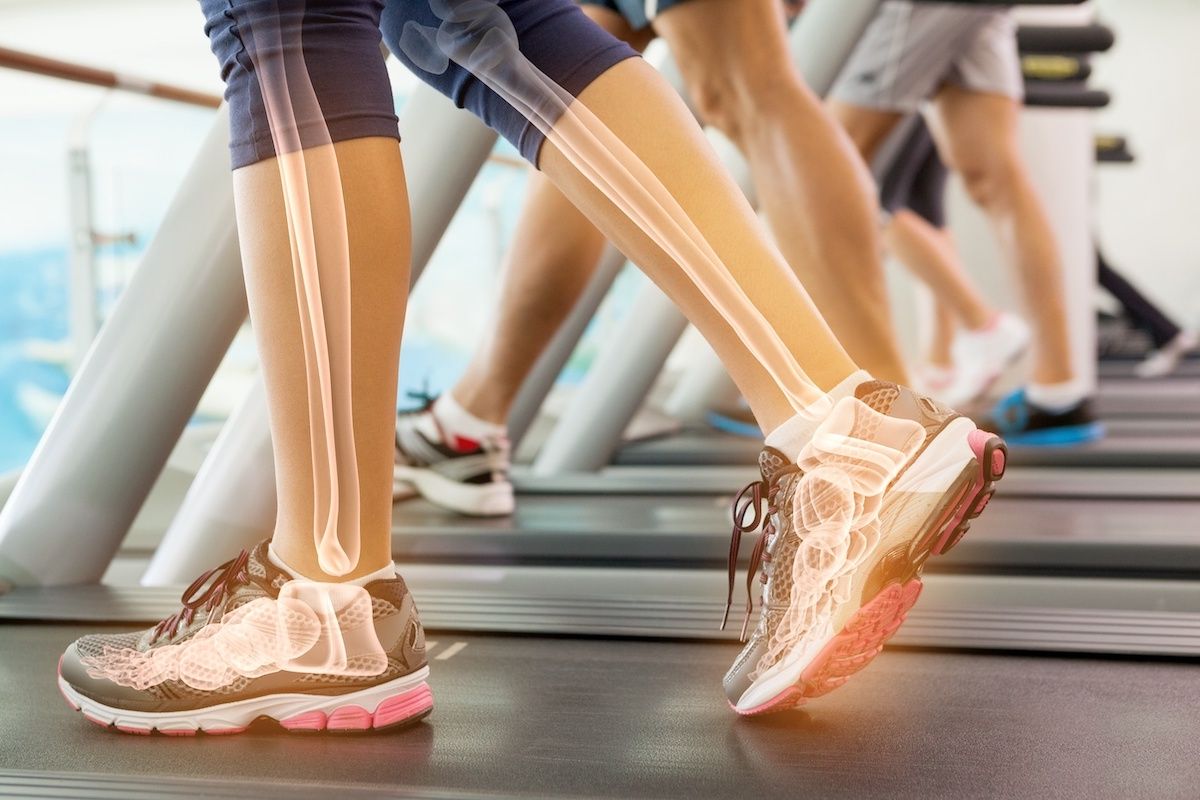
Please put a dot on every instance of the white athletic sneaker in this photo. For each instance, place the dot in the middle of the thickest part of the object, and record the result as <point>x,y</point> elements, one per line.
<point>454,472</point>
<point>1163,361</point>
<point>934,379</point>
<point>981,356</point>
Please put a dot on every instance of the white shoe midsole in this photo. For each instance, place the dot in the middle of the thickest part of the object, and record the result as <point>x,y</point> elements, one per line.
<point>490,499</point>
<point>240,713</point>
<point>785,673</point>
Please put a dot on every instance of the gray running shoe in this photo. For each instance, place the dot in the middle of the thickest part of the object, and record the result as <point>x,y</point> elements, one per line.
<point>298,701</point>
<point>831,600</point>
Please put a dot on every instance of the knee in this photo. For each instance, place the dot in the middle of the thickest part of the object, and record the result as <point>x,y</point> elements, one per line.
<point>736,100</point>
<point>991,182</point>
<point>715,99</point>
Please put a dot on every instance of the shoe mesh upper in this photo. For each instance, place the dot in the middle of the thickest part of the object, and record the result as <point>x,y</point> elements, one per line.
<point>387,599</point>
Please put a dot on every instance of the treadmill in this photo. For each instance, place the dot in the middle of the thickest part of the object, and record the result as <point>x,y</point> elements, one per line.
<point>575,654</point>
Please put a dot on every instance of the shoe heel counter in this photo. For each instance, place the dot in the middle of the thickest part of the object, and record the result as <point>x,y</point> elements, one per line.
<point>413,644</point>
<point>400,630</point>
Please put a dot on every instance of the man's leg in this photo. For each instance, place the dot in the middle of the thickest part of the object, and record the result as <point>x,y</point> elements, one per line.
<point>929,254</point>
<point>816,194</point>
<point>978,137</point>
<point>553,254</point>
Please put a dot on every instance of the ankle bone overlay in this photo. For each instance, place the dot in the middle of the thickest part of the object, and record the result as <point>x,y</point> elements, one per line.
<point>853,456</point>
<point>325,628</point>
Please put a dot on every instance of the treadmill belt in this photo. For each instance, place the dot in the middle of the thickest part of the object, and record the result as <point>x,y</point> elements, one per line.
<point>1158,449</point>
<point>566,718</point>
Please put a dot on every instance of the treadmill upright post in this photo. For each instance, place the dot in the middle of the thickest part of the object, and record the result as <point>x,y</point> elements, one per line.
<point>537,387</point>
<point>444,149</point>
<point>584,440</point>
<point>821,42</point>
<point>135,390</point>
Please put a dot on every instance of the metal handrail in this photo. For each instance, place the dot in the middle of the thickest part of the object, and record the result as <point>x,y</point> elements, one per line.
<point>56,68</point>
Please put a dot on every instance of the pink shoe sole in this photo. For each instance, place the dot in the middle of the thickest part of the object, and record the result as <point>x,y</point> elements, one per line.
<point>869,629</point>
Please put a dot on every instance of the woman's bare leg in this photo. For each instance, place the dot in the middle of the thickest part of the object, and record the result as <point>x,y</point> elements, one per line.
<point>941,339</point>
<point>675,150</point>
<point>553,254</point>
<point>372,187</point>
<point>978,139</point>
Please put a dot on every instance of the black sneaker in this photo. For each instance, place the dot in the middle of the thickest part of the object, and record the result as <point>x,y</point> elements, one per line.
<point>463,475</point>
<point>141,682</point>
<point>1021,422</point>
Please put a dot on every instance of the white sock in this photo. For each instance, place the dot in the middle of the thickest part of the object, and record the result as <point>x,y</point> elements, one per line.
<point>381,574</point>
<point>464,430</point>
<point>790,437</point>
<point>1057,397</point>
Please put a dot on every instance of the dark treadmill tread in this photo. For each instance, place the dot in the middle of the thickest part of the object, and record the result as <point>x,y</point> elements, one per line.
<point>525,716</point>
<point>1146,536</point>
<point>703,447</point>
<point>1142,536</point>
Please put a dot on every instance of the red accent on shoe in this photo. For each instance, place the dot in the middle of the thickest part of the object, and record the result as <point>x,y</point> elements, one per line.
<point>865,634</point>
<point>991,469</point>
<point>464,445</point>
<point>131,729</point>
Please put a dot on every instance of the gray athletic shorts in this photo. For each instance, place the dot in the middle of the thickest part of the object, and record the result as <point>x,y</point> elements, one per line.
<point>910,50</point>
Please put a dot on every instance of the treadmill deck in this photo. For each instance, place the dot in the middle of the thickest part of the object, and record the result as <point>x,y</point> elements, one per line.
<point>567,718</point>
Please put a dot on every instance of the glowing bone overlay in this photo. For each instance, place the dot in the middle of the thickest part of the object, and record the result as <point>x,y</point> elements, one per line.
<point>311,627</point>
<point>853,456</point>
<point>327,627</point>
<point>320,252</point>
<point>478,35</point>
<point>855,453</point>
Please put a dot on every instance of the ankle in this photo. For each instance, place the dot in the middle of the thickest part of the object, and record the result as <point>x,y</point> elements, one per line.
<point>790,437</point>
<point>1059,396</point>
<point>302,563</point>
<point>487,406</point>
<point>983,322</point>
<point>462,429</point>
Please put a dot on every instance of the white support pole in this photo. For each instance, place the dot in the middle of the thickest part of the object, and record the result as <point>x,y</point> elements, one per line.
<point>444,149</point>
<point>230,501</point>
<point>541,380</point>
<point>598,416</point>
<point>136,389</point>
<point>84,320</point>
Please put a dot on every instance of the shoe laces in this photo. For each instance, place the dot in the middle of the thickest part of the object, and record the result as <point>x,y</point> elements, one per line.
<point>423,397</point>
<point>749,501</point>
<point>205,593</point>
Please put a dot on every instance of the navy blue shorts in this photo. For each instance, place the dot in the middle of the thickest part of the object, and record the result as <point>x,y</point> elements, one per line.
<point>340,48</point>
<point>916,178</point>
